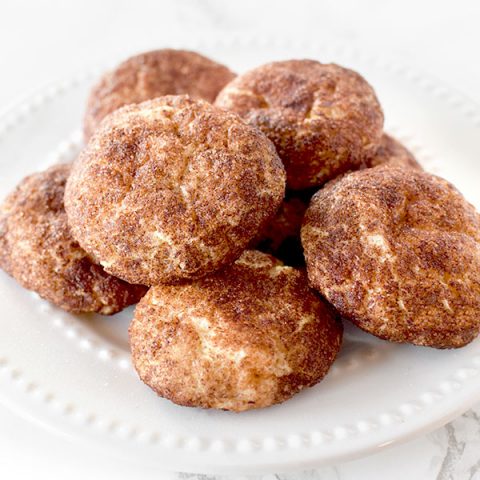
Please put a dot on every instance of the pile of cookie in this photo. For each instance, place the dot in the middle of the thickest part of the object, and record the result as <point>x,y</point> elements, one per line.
<point>247,215</point>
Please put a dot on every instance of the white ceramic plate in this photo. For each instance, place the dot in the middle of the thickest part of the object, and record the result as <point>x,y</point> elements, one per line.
<point>72,374</point>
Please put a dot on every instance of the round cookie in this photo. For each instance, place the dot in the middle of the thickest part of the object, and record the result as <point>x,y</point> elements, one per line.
<point>249,336</point>
<point>397,252</point>
<point>392,152</point>
<point>172,189</point>
<point>323,119</point>
<point>151,75</point>
<point>281,236</point>
<point>37,249</point>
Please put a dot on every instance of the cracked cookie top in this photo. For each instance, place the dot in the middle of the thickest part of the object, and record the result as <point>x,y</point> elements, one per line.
<point>37,249</point>
<point>323,119</point>
<point>172,189</point>
<point>397,251</point>
<point>248,336</point>
<point>151,75</point>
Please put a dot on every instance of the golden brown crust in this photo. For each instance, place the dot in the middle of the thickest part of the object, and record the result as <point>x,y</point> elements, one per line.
<point>323,119</point>
<point>281,235</point>
<point>397,251</point>
<point>172,189</point>
<point>392,152</point>
<point>37,249</point>
<point>151,75</point>
<point>249,336</point>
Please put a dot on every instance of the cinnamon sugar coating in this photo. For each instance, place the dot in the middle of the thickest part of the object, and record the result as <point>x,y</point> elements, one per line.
<point>393,153</point>
<point>249,336</point>
<point>37,249</point>
<point>151,75</point>
<point>172,189</point>
<point>323,119</point>
<point>397,251</point>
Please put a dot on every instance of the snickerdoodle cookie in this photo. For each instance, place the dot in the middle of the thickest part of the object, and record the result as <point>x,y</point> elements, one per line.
<point>37,249</point>
<point>172,189</point>
<point>151,75</point>
<point>397,251</point>
<point>323,119</point>
<point>249,336</point>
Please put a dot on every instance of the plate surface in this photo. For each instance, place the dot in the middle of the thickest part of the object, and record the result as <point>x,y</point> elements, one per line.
<point>72,374</point>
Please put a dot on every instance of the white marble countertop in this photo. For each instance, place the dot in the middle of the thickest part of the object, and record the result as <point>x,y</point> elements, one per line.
<point>46,40</point>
